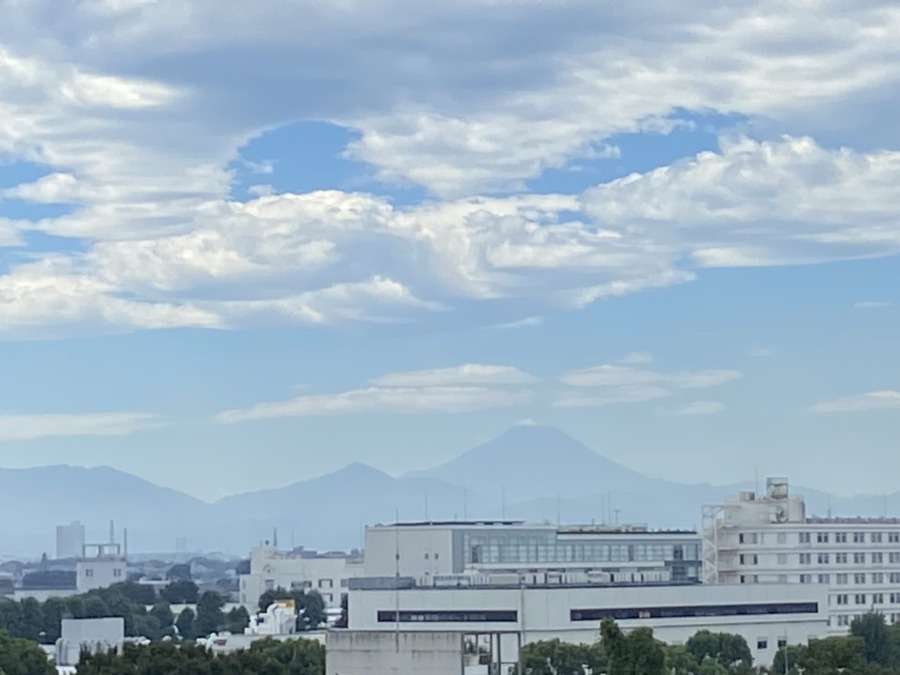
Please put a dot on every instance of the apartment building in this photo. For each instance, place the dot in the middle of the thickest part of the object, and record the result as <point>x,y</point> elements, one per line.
<point>763,539</point>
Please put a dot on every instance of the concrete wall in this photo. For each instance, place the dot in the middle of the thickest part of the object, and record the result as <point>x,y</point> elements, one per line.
<point>95,573</point>
<point>377,653</point>
<point>425,551</point>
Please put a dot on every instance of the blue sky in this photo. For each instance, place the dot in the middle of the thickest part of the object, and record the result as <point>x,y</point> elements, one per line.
<point>279,240</point>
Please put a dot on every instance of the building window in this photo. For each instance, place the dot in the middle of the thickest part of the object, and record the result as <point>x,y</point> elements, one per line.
<point>806,578</point>
<point>426,556</point>
<point>878,558</point>
<point>877,598</point>
<point>344,583</point>
<point>748,538</point>
<point>824,578</point>
<point>840,558</point>
<point>450,616</point>
<point>117,572</point>
<point>89,572</point>
<point>843,620</point>
<point>782,558</point>
<point>749,559</point>
<point>805,558</point>
<point>781,538</point>
<point>749,579</point>
<point>876,537</point>
<point>860,598</point>
<point>680,612</point>
<point>437,555</point>
<point>823,558</point>
<point>894,537</point>
<point>762,643</point>
<point>782,643</point>
<point>840,537</point>
<point>782,578</point>
<point>822,537</point>
<point>894,557</point>
<point>326,583</point>
<point>841,599</point>
<point>878,577</point>
<point>842,579</point>
<point>804,537</point>
<point>859,537</point>
<point>895,598</point>
<point>894,577</point>
<point>859,558</point>
<point>270,584</point>
<point>859,579</point>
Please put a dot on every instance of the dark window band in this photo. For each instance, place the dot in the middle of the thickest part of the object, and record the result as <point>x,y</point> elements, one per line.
<point>676,612</point>
<point>456,616</point>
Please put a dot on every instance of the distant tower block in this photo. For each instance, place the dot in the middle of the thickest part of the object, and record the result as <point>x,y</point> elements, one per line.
<point>181,545</point>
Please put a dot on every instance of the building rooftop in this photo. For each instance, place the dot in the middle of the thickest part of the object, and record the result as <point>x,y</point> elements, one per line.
<point>565,529</point>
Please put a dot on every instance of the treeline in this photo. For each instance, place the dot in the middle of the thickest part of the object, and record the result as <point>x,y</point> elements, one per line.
<point>871,648</point>
<point>40,621</point>
<point>264,657</point>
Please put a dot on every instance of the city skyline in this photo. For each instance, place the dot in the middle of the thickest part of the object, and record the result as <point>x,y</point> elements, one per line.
<point>230,240</point>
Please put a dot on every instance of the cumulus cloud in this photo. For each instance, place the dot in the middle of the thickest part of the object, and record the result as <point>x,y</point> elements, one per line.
<point>875,400</point>
<point>21,427</point>
<point>137,113</point>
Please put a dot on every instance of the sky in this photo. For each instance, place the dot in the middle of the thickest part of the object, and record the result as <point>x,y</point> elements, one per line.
<point>245,244</point>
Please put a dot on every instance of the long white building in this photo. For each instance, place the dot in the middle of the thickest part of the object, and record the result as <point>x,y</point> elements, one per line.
<point>271,569</point>
<point>766,615</point>
<point>769,539</point>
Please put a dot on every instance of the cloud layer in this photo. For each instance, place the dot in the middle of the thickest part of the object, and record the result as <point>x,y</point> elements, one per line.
<point>135,112</point>
<point>23,427</point>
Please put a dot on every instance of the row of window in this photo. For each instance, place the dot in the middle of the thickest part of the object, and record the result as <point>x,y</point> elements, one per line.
<point>857,558</point>
<point>847,619</point>
<point>826,537</point>
<point>863,599</point>
<point>450,616</point>
<point>843,579</point>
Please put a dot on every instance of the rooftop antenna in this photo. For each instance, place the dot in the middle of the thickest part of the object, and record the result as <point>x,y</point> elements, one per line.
<point>275,537</point>
<point>125,542</point>
<point>616,511</point>
<point>112,532</point>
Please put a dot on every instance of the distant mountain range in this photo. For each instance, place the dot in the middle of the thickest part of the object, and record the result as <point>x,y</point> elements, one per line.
<point>530,472</point>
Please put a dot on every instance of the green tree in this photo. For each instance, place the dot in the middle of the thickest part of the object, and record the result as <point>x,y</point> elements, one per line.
<point>237,620</point>
<point>873,630</point>
<point>710,666</point>
<point>344,619</point>
<point>731,651</point>
<point>645,653</point>
<point>679,661</point>
<point>311,607</point>
<point>210,618</point>
<point>32,624</point>
<point>163,615</point>
<point>139,594</point>
<point>833,655</point>
<point>185,624</point>
<point>180,592</point>
<point>794,655</point>
<point>10,617</point>
<point>23,657</point>
<point>554,657</point>
<point>616,649</point>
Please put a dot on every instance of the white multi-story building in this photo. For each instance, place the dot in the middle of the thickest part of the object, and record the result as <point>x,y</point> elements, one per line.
<point>271,569</point>
<point>769,539</point>
<point>100,566</point>
<point>69,540</point>
<point>448,552</point>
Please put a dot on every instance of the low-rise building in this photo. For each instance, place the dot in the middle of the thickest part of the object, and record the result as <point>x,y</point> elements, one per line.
<point>300,569</point>
<point>100,566</point>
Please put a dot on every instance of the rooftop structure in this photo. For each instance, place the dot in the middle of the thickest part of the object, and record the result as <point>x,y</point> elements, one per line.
<point>427,551</point>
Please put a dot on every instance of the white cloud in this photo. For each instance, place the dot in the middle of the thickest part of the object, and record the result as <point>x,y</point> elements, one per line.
<point>872,304</point>
<point>138,111</point>
<point>617,376</point>
<point>468,374</point>
<point>396,400</point>
<point>21,427</point>
<point>697,408</point>
<point>527,322</point>
<point>875,400</point>
<point>614,395</point>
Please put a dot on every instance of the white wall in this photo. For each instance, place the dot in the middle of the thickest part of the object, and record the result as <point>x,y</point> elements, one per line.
<point>544,613</point>
<point>98,573</point>
<point>370,653</point>
<point>425,551</point>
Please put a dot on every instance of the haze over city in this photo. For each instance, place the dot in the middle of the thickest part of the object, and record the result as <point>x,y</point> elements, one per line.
<point>245,249</point>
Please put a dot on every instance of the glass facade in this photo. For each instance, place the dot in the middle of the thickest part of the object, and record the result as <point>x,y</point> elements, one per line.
<point>542,549</point>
